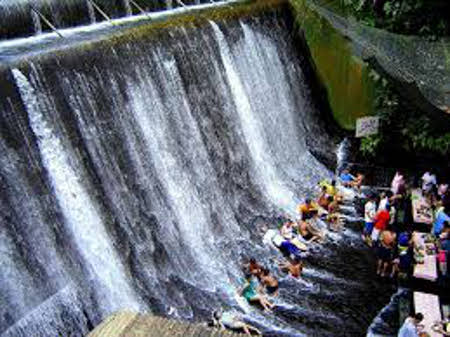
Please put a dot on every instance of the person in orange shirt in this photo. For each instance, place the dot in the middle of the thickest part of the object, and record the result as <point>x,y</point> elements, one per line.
<point>307,210</point>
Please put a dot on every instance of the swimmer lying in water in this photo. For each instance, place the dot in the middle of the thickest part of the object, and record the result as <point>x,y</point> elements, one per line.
<point>232,321</point>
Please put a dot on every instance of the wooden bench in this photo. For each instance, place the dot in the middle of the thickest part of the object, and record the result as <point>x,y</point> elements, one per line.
<point>428,269</point>
<point>429,306</point>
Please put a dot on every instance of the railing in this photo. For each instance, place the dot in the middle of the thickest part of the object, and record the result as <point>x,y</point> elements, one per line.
<point>45,17</point>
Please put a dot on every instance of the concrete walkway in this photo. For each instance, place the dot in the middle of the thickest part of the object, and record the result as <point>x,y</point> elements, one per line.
<point>129,324</point>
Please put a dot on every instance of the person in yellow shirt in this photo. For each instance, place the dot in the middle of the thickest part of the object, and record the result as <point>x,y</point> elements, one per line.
<point>331,188</point>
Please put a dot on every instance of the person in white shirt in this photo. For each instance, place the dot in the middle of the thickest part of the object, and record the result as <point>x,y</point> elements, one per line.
<point>428,181</point>
<point>392,213</point>
<point>398,184</point>
<point>385,200</point>
<point>370,209</point>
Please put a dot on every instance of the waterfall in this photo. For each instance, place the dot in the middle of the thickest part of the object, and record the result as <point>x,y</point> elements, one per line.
<point>127,6</point>
<point>36,22</point>
<point>91,12</point>
<point>262,158</point>
<point>78,209</point>
<point>137,174</point>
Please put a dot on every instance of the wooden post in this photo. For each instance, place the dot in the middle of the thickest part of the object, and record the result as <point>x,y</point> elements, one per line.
<point>47,22</point>
<point>102,13</point>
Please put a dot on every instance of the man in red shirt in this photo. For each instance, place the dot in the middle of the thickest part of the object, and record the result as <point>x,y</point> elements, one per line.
<point>381,222</point>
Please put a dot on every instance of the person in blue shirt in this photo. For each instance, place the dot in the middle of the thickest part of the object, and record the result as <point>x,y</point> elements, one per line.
<point>411,326</point>
<point>347,179</point>
<point>441,217</point>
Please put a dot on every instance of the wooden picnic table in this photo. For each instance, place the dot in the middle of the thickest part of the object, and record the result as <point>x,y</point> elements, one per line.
<point>421,208</point>
<point>429,306</point>
<point>428,269</point>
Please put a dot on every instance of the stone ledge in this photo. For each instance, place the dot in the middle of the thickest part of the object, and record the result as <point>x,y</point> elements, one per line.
<point>130,324</point>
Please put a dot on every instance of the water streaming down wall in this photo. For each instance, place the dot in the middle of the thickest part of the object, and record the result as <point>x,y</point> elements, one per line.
<point>136,175</point>
<point>18,18</point>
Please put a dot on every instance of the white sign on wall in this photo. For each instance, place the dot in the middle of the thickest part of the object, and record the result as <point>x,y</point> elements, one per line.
<point>367,126</point>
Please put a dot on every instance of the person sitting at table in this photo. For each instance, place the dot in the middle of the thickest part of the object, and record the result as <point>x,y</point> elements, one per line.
<point>442,215</point>
<point>411,326</point>
<point>429,185</point>
<point>442,189</point>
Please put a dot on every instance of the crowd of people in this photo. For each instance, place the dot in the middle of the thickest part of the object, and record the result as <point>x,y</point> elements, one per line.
<point>389,224</point>
<point>292,239</point>
<point>387,229</point>
<point>413,327</point>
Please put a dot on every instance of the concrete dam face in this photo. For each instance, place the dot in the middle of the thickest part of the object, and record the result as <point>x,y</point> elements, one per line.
<point>136,173</point>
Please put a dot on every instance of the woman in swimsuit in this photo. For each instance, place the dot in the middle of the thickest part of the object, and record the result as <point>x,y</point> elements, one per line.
<point>250,293</point>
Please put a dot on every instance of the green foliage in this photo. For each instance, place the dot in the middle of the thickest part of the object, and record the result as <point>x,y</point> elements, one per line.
<point>370,146</point>
<point>403,127</point>
<point>418,17</point>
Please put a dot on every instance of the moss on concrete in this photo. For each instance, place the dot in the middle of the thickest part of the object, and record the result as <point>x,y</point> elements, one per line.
<point>351,91</point>
<point>202,16</point>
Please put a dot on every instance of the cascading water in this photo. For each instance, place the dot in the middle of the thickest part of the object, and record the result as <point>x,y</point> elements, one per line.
<point>137,175</point>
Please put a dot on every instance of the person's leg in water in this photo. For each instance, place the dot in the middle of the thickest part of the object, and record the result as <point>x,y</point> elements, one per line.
<point>379,266</point>
<point>249,328</point>
<point>385,269</point>
<point>263,302</point>
<point>257,331</point>
<point>395,268</point>
<point>246,330</point>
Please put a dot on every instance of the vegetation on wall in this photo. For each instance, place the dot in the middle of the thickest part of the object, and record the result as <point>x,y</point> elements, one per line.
<point>418,17</point>
<point>344,75</point>
<point>404,129</point>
